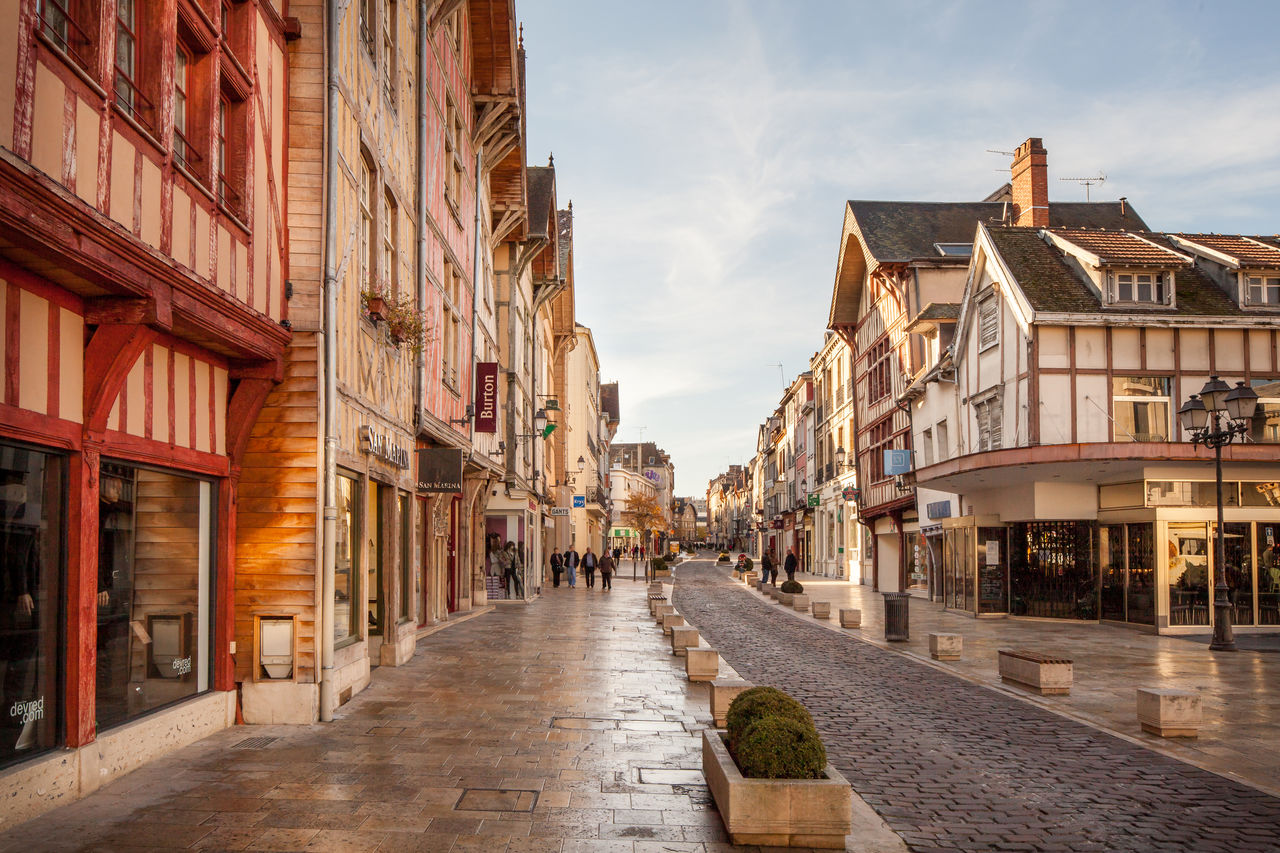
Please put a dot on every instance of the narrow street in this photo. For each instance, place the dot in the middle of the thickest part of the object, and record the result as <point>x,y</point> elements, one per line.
<point>954,766</point>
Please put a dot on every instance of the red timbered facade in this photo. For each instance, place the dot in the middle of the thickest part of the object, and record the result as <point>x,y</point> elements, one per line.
<point>144,320</point>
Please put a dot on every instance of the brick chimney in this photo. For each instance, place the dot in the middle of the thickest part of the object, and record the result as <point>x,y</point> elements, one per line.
<point>1030,171</point>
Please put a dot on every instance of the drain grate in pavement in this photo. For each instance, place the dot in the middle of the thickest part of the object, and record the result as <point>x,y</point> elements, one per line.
<point>607,724</point>
<point>496,800</point>
<point>670,776</point>
<point>256,742</point>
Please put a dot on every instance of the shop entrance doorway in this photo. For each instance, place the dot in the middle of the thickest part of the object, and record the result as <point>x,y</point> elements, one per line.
<point>376,598</point>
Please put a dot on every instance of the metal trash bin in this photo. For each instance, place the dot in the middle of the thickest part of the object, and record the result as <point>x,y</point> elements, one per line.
<point>897,616</point>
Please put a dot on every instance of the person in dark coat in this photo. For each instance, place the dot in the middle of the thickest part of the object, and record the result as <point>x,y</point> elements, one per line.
<point>606,567</point>
<point>768,571</point>
<point>790,565</point>
<point>557,566</point>
<point>589,561</point>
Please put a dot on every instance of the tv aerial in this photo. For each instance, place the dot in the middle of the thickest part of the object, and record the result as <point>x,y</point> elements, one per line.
<point>1087,182</point>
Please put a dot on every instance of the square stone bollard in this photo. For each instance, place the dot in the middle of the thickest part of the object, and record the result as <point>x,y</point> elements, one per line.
<point>656,588</point>
<point>800,602</point>
<point>751,578</point>
<point>723,692</point>
<point>654,601</point>
<point>850,618</point>
<point>671,621</point>
<point>945,646</point>
<point>661,610</point>
<point>682,639</point>
<point>785,598</point>
<point>701,663</point>
<point>1167,712</point>
<point>821,609</point>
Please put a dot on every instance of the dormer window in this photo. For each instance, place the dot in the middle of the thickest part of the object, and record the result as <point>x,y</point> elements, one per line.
<point>1264,289</point>
<point>1150,288</point>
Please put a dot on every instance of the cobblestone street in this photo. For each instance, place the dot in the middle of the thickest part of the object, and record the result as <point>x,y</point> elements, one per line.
<point>953,766</point>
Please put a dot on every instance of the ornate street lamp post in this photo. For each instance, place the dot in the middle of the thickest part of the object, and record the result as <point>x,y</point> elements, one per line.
<point>1215,417</point>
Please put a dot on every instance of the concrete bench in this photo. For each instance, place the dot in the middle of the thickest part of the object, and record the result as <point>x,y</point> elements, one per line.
<point>821,609</point>
<point>671,621</point>
<point>724,691</point>
<point>1045,674</point>
<point>683,638</point>
<point>945,646</point>
<point>701,663</point>
<point>1167,712</point>
<point>850,618</point>
<point>800,602</point>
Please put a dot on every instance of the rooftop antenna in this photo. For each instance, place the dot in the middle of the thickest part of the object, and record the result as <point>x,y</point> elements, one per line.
<point>781,379</point>
<point>1088,182</point>
<point>1005,153</point>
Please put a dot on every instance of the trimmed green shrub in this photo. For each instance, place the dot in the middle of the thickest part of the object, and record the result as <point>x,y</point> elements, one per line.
<point>791,586</point>
<point>776,747</point>
<point>658,564</point>
<point>723,558</point>
<point>755,704</point>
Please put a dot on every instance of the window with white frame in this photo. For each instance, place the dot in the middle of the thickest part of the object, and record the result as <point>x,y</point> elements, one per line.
<point>990,427</point>
<point>1142,287</point>
<point>1264,289</point>
<point>988,322</point>
<point>1140,408</point>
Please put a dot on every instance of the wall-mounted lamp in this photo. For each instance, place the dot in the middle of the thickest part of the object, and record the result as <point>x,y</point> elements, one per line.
<point>540,427</point>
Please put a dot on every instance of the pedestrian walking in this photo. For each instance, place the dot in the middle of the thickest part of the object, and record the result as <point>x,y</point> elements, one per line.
<point>635,552</point>
<point>571,560</point>
<point>589,567</point>
<point>607,566</point>
<point>767,569</point>
<point>790,565</point>
<point>557,567</point>
<point>617,555</point>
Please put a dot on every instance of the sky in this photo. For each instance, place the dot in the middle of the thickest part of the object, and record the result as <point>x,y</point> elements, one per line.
<point>709,146</point>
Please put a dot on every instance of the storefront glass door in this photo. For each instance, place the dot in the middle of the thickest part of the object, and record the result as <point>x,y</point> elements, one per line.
<point>1237,553</point>
<point>1268,539</point>
<point>1188,574</point>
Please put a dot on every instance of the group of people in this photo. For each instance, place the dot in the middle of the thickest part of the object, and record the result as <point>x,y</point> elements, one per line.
<point>769,569</point>
<point>568,563</point>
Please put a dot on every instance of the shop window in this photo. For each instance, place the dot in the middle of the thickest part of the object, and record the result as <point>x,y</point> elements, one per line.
<point>72,26</point>
<point>1265,426</point>
<point>1189,582</point>
<point>1052,569</point>
<point>1237,554</point>
<point>155,582</point>
<point>406,562</point>
<point>1268,544</point>
<point>1140,408</point>
<point>1191,493</point>
<point>32,508</point>
<point>1259,494</point>
<point>346,569</point>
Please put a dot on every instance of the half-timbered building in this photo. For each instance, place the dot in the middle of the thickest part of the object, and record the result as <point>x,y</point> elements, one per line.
<point>144,309</point>
<point>1051,424</point>
<point>896,258</point>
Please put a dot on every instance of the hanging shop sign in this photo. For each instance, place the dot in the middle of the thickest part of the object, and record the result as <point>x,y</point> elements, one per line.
<point>897,462</point>
<point>814,499</point>
<point>849,493</point>
<point>579,501</point>
<point>486,396</point>
<point>561,510</point>
<point>938,509</point>
<point>379,445</point>
<point>439,469</point>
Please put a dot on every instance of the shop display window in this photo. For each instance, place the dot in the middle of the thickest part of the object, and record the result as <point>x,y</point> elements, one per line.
<point>1268,543</point>
<point>32,507</point>
<point>346,570</point>
<point>155,577</point>
<point>1188,554</point>
<point>406,563</point>
<point>1053,569</point>
<point>1140,590</point>
<point>1237,553</point>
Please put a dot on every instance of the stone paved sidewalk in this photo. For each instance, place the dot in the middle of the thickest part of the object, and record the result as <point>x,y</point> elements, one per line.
<point>953,766</point>
<point>565,725</point>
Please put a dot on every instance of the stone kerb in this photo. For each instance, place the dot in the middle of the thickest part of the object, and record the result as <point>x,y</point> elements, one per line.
<point>1167,712</point>
<point>821,609</point>
<point>945,646</point>
<point>671,621</point>
<point>701,663</point>
<point>724,691</point>
<point>850,618</point>
<point>683,638</point>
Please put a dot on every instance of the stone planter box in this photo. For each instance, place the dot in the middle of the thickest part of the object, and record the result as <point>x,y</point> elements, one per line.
<point>777,812</point>
<point>850,618</point>
<point>724,691</point>
<point>800,602</point>
<point>1046,675</point>
<point>701,664</point>
<point>821,610</point>
<point>682,639</point>
<point>1169,712</point>
<point>671,621</point>
<point>945,646</point>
